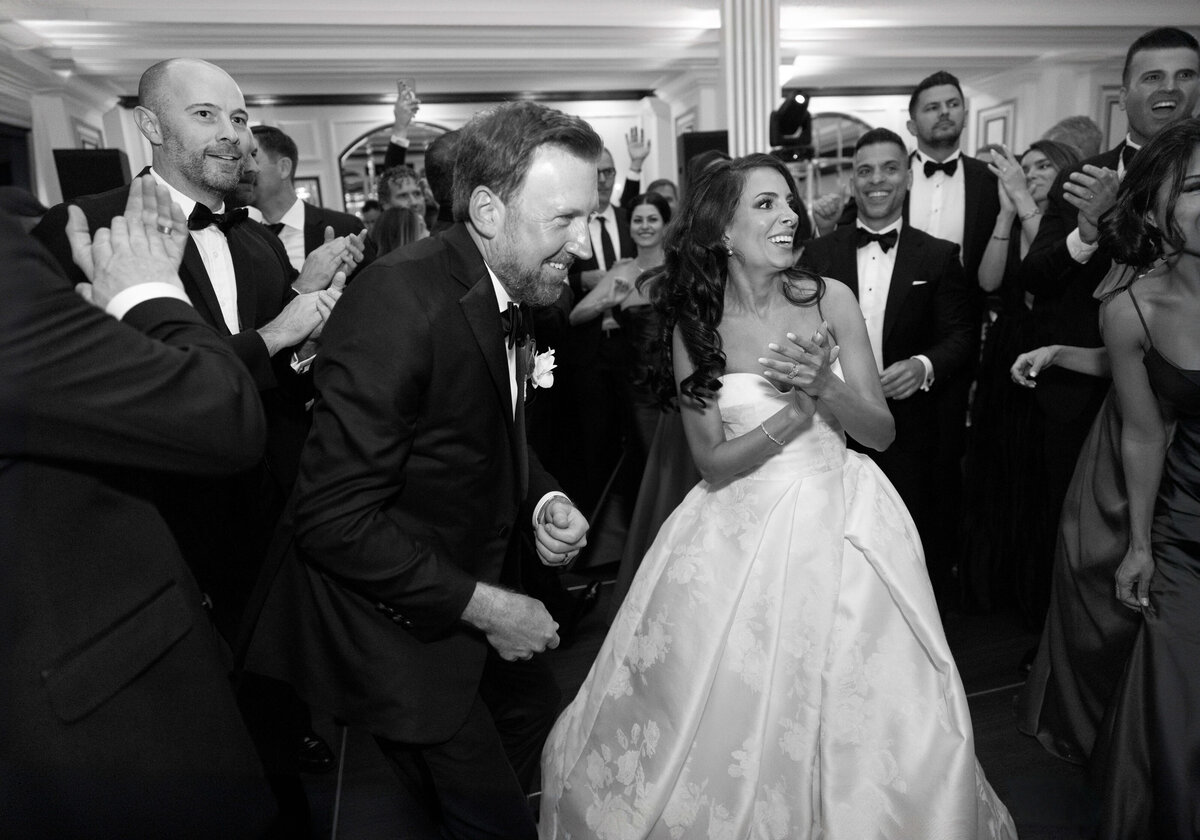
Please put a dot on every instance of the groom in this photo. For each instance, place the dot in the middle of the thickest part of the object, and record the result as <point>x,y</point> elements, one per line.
<point>401,612</point>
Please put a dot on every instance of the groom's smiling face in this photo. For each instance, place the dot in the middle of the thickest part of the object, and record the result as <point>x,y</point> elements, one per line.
<point>545,226</point>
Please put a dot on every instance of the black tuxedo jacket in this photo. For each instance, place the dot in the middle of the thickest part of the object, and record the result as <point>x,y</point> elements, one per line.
<point>1064,311</point>
<point>113,682</point>
<point>316,219</point>
<point>928,312</point>
<point>411,487</point>
<point>223,525</point>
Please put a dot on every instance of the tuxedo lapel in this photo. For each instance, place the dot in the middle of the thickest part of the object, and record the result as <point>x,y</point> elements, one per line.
<point>199,288</point>
<point>482,312</point>
<point>244,269</point>
<point>973,195</point>
<point>908,261</point>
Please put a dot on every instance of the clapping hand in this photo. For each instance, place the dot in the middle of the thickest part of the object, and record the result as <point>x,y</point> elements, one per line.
<point>144,245</point>
<point>1011,178</point>
<point>1092,191</point>
<point>827,209</point>
<point>806,365</point>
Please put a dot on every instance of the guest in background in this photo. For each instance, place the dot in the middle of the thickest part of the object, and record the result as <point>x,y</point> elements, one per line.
<point>1068,259</point>
<point>439,174</point>
<point>916,303</point>
<point>370,213</point>
<point>667,189</point>
<point>1080,133</point>
<point>400,186</point>
<point>1151,761</point>
<point>398,226</point>
<point>302,227</point>
<point>595,361</point>
<point>1002,468</point>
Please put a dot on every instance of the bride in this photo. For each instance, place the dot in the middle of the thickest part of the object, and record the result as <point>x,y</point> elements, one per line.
<point>778,669</point>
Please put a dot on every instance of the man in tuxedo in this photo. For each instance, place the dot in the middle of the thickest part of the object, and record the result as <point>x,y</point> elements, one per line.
<point>400,611</point>
<point>1067,260</point>
<point>117,718</point>
<point>301,227</point>
<point>916,303</point>
<point>238,277</point>
<point>594,408</point>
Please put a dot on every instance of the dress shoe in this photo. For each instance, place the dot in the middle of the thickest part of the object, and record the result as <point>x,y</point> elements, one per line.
<point>312,754</point>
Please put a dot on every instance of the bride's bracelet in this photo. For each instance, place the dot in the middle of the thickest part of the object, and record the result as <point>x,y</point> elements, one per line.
<point>770,436</point>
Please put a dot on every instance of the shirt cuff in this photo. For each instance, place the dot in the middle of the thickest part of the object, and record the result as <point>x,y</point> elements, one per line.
<point>1079,250</point>
<point>400,141</point>
<point>302,365</point>
<point>928,365</point>
<point>126,299</point>
<point>542,502</point>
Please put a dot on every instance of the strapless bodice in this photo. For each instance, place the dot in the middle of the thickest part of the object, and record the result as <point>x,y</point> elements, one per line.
<point>747,399</point>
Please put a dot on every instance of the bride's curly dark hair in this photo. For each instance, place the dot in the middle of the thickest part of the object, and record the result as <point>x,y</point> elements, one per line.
<point>688,290</point>
<point>1128,228</point>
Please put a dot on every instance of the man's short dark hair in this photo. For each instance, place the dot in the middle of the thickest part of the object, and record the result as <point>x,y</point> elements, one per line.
<point>1163,38</point>
<point>876,136</point>
<point>933,80</point>
<point>371,204</point>
<point>277,144</point>
<point>439,167</point>
<point>393,177</point>
<point>496,148</point>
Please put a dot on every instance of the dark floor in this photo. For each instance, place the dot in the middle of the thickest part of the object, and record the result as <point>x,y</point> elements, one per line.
<point>1047,797</point>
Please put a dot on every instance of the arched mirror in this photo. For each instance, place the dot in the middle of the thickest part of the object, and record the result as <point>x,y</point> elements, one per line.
<point>361,162</point>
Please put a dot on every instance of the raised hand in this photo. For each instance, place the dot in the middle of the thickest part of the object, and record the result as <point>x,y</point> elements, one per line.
<point>638,146</point>
<point>827,209</point>
<point>1092,191</point>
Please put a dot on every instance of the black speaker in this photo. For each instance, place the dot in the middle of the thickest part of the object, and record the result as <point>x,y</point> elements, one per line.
<point>90,171</point>
<point>710,144</point>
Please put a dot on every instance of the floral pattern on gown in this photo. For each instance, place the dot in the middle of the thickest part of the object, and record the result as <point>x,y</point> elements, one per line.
<point>778,669</point>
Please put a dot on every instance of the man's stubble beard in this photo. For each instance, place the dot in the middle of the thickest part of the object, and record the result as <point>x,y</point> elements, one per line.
<point>194,167</point>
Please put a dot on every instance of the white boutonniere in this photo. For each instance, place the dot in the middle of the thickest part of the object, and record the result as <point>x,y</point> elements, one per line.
<point>541,372</point>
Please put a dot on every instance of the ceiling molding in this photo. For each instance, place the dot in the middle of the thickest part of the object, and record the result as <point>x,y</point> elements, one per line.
<point>309,100</point>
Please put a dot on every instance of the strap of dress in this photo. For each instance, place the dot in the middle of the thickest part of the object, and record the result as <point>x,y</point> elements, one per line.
<point>1141,317</point>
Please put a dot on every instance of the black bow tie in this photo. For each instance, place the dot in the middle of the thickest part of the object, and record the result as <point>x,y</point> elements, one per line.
<point>949,167</point>
<point>202,217</point>
<point>515,325</point>
<point>1127,155</point>
<point>885,240</point>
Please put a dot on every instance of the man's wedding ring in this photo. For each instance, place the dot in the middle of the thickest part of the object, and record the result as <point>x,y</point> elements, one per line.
<point>165,230</point>
<point>793,371</point>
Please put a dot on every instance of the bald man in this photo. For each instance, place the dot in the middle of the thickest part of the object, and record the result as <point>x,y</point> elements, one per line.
<point>238,278</point>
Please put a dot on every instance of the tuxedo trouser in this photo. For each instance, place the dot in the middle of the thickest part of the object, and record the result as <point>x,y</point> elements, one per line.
<point>475,784</point>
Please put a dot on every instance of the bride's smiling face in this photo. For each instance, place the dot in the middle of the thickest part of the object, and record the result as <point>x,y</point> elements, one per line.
<point>764,224</point>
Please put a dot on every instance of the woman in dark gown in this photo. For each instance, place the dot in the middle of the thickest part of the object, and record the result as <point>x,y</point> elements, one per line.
<point>1088,634</point>
<point>1150,759</point>
<point>1004,527</point>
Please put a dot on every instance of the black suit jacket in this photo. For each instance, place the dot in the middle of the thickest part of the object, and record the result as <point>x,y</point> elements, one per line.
<point>412,485</point>
<point>1064,311</point>
<point>223,525</point>
<point>316,219</point>
<point>115,707</point>
<point>928,313</point>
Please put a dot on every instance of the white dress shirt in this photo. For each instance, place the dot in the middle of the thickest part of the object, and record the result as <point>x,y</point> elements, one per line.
<point>292,234</point>
<point>215,254</point>
<point>938,204</point>
<point>875,267</point>
<point>610,225</point>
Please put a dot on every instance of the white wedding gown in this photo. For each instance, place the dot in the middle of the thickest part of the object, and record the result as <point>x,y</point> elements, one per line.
<point>777,670</point>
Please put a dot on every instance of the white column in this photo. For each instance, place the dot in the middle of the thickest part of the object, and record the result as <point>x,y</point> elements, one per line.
<point>749,70</point>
